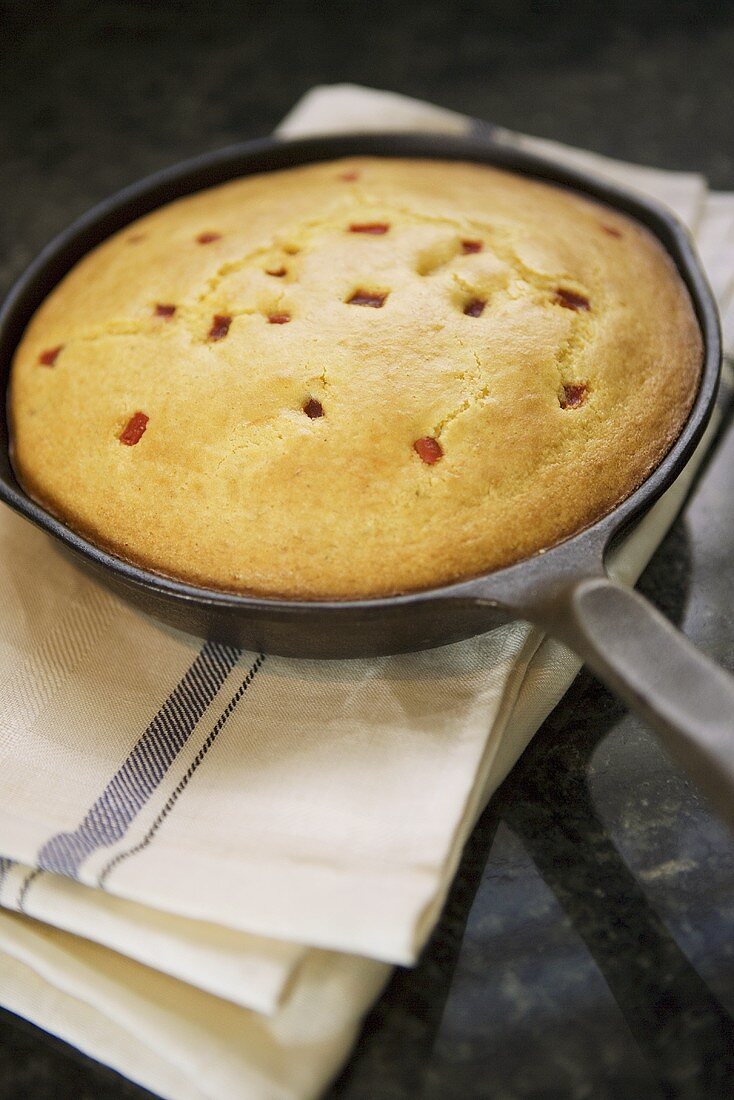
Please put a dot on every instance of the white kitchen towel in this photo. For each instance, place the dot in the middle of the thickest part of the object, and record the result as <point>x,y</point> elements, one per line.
<point>312,803</point>
<point>252,971</point>
<point>174,1039</point>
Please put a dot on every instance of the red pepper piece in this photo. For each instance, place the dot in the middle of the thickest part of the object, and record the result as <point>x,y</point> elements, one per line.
<point>574,395</point>
<point>279,318</point>
<point>367,298</point>
<point>277,272</point>
<point>375,228</point>
<point>475,308</point>
<point>133,431</point>
<point>313,408</point>
<point>162,310</point>
<point>207,238</point>
<point>48,357</point>
<point>571,300</point>
<point>428,449</point>
<point>467,247</point>
<point>220,326</point>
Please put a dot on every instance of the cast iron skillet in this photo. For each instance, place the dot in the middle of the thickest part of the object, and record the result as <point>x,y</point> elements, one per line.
<point>638,653</point>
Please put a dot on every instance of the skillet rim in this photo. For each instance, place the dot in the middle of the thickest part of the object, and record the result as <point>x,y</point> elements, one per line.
<point>128,204</point>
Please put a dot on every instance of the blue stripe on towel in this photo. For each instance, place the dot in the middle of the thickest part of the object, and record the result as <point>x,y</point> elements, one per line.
<point>184,781</point>
<point>5,865</point>
<point>134,783</point>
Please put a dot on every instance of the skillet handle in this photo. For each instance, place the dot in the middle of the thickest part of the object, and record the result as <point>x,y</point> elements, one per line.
<point>686,698</point>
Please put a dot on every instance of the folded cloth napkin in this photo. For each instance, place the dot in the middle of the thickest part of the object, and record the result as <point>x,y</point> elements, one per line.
<point>213,855</point>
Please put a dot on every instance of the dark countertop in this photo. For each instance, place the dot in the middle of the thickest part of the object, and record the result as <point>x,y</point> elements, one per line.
<point>586,949</point>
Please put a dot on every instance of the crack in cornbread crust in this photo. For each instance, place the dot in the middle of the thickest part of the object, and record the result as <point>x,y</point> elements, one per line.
<point>232,486</point>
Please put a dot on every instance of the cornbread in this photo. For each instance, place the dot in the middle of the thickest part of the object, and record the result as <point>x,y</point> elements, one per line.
<point>354,378</point>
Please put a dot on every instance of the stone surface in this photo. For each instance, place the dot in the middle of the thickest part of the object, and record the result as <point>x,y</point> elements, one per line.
<point>586,948</point>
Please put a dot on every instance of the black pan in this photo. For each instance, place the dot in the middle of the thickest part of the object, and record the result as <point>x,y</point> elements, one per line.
<point>638,653</point>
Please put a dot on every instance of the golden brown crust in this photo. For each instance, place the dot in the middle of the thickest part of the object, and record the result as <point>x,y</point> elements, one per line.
<point>233,485</point>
